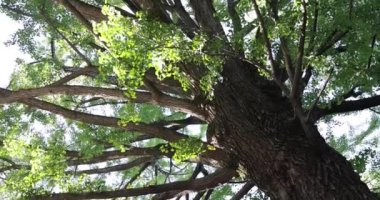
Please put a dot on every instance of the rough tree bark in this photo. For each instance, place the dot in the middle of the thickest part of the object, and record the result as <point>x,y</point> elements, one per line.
<point>257,125</point>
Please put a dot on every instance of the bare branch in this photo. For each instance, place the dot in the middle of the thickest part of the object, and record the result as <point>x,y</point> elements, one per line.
<point>141,170</point>
<point>213,180</point>
<point>115,168</point>
<point>76,159</point>
<point>182,105</point>
<point>298,68</point>
<point>155,131</point>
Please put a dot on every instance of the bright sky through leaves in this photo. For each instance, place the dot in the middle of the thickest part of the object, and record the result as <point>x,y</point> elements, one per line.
<point>8,54</point>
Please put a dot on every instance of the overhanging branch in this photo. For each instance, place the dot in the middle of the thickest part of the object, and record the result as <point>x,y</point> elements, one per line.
<point>219,177</point>
<point>348,106</point>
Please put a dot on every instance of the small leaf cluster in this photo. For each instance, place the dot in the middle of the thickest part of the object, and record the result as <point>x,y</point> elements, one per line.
<point>184,149</point>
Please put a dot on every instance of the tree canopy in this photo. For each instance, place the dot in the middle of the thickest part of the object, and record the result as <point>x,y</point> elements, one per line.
<point>193,99</point>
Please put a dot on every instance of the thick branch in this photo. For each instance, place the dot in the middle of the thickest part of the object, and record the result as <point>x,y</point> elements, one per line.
<point>69,6</point>
<point>213,180</point>
<point>141,97</point>
<point>185,17</point>
<point>88,11</point>
<point>205,15</point>
<point>155,131</point>
<point>348,106</point>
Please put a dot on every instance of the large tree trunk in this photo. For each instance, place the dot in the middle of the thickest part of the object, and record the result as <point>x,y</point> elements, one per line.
<point>257,125</point>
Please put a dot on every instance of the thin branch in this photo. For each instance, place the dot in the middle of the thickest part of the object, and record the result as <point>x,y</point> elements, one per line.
<point>313,106</point>
<point>115,168</point>
<point>236,22</point>
<point>275,70</point>
<point>301,48</point>
<point>243,191</point>
<point>75,157</point>
<point>141,170</point>
<point>73,75</point>
<point>372,46</point>
<point>314,29</point>
<point>80,54</point>
<point>375,111</point>
<point>213,180</point>
<point>174,193</point>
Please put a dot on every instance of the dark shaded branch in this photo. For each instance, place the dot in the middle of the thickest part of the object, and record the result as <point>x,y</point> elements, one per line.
<point>371,56</point>
<point>236,22</point>
<point>207,195</point>
<point>243,191</point>
<point>189,23</point>
<point>174,193</point>
<point>313,106</point>
<point>115,168</point>
<point>180,123</point>
<point>141,170</point>
<point>213,180</point>
<point>330,41</point>
<point>206,17</point>
<point>132,6</point>
<point>352,93</point>
<point>348,106</point>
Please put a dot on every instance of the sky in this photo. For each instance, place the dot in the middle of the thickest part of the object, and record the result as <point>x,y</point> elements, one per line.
<point>8,54</point>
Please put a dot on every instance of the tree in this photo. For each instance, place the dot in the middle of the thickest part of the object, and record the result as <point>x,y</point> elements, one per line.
<point>119,83</point>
